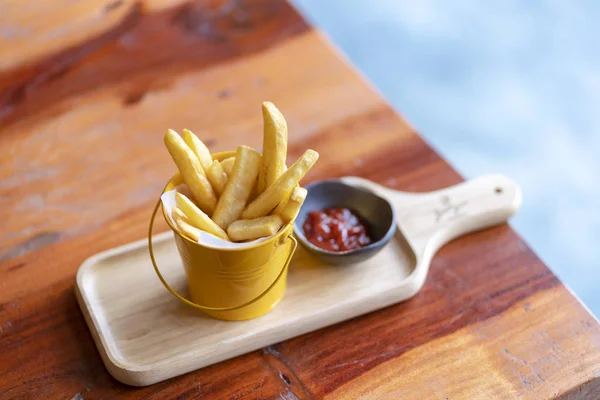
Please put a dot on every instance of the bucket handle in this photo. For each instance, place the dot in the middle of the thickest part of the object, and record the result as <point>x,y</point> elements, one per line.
<point>198,306</point>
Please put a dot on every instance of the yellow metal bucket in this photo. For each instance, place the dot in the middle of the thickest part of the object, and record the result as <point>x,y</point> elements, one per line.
<point>231,284</point>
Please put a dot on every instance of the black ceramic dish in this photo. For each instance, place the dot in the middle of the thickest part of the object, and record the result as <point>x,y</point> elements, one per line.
<point>377,211</point>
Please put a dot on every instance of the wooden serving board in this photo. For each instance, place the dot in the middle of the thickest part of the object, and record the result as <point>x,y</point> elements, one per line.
<point>86,91</point>
<point>145,335</point>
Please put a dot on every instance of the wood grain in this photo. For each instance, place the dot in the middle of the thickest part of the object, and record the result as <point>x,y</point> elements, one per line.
<point>512,363</point>
<point>86,92</point>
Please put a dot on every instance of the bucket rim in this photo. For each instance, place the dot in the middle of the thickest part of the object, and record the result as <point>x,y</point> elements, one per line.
<point>175,180</point>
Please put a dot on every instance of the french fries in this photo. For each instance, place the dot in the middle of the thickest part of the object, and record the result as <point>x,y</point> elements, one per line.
<point>281,188</point>
<point>239,186</point>
<point>217,177</point>
<point>197,218</point>
<point>227,165</point>
<point>250,229</point>
<point>182,223</point>
<point>191,171</point>
<point>199,149</point>
<point>240,198</point>
<point>254,192</point>
<point>176,213</point>
<point>274,146</point>
<point>289,208</point>
<point>282,204</point>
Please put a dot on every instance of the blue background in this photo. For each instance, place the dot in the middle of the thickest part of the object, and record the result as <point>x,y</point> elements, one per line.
<point>508,86</point>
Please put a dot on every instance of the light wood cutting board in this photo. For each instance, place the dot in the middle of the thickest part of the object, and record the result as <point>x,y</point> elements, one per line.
<point>145,335</point>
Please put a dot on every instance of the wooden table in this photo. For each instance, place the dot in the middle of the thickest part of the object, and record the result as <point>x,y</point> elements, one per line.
<point>87,90</point>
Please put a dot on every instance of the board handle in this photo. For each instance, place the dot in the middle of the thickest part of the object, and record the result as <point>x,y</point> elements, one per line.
<point>435,218</point>
<point>429,220</point>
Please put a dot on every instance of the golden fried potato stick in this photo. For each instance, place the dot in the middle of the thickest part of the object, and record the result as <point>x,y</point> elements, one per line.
<point>197,218</point>
<point>217,177</point>
<point>199,148</point>
<point>250,229</point>
<point>289,208</point>
<point>183,225</point>
<point>275,138</point>
<point>282,204</point>
<point>254,191</point>
<point>177,213</point>
<point>236,193</point>
<point>281,188</point>
<point>227,165</point>
<point>191,171</point>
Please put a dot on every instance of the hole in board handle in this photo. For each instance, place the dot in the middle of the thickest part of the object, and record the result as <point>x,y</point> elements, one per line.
<point>498,190</point>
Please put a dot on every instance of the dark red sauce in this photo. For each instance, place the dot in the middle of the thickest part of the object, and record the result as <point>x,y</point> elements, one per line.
<point>336,229</point>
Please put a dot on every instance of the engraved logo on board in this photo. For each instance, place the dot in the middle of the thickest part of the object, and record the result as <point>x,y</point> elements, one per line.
<point>448,210</point>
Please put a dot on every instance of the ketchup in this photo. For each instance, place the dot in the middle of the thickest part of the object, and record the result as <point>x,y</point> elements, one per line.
<point>336,229</point>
